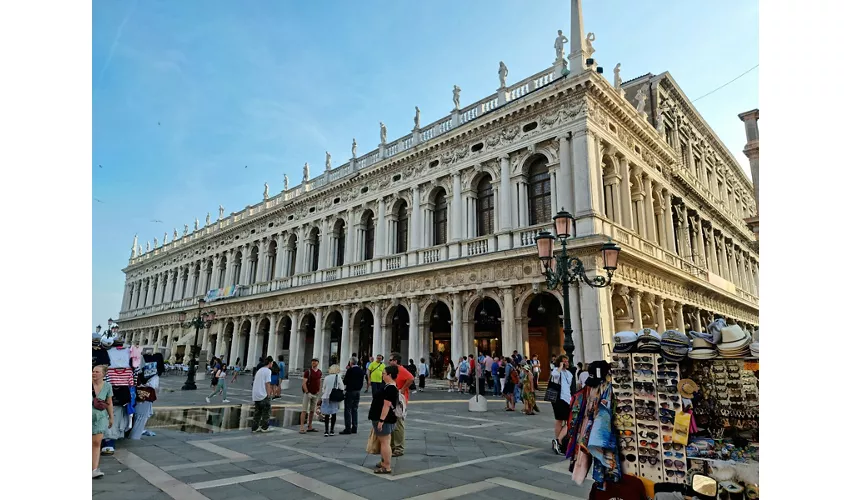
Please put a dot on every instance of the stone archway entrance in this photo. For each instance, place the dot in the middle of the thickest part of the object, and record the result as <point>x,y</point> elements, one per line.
<point>487,327</point>
<point>545,330</point>
<point>363,332</point>
<point>400,332</point>
<point>439,329</point>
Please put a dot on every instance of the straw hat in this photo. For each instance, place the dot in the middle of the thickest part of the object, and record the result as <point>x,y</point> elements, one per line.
<point>733,338</point>
<point>687,388</point>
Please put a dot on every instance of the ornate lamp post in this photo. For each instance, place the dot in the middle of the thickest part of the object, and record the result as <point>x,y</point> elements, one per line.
<point>202,320</point>
<point>567,269</point>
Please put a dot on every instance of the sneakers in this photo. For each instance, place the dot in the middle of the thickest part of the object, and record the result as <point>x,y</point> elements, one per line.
<point>327,434</point>
<point>332,433</point>
<point>208,399</point>
<point>96,474</point>
<point>556,447</point>
<point>225,400</point>
<point>264,430</point>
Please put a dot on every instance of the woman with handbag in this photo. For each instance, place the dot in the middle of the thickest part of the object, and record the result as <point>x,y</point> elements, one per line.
<point>101,415</point>
<point>383,415</point>
<point>559,393</point>
<point>333,392</point>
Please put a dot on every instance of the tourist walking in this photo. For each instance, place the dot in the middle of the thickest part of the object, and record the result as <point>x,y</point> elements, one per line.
<point>561,406</point>
<point>275,380</point>
<point>101,415</point>
<point>462,373</point>
<point>219,376</point>
<point>383,417</point>
<point>330,407</point>
<point>366,373</point>
<point>451,375</point>
<point>353,382</point>
<point>403,381</point>
<point>423,374</point>
<point>509,385</point>
<point>535,371</point>
<point>311,384</point>
<point>497,382</point>
<point>529,398</point>
<point>261,395</point>
<point>236,369</point>
<point>375,368</point>
<point>411,367</point>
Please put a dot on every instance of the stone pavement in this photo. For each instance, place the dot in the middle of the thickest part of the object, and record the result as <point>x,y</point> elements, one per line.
<point>205,451</point>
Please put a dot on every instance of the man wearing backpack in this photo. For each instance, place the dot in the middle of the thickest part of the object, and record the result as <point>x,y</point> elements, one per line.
<point>462,374</point>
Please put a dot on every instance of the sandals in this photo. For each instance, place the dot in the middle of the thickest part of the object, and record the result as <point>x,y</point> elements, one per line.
<point>312,430</point>
<point>302,431</point>
<point>383,470</point>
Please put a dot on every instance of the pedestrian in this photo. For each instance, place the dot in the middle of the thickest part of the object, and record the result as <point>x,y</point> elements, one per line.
<point>553,364</point>
<point>517,358</point>
<point>423,374</point>
<point>236,369</point>
<point>101,415</point>
<point>535,370</point>
<point>411,367</point>
<point>503,364</point>
<point>494,372</point>
<point>488,371</point>
<point>275,368</point>
<point>330,408</point>
<point>311,384</point>
<point>219,377</point>
<point>451,375</point>
<point>583,375</point>
<point>403,381</point>
<point>561,406</point>
<point>462,373</point>
<point>528,395</point>
<point>472,380</point>
<point>511,380</point>
<point>353,382</point>
<point>367,360</point>
<point>383,417</point>
<point>375,368</point>
<point>282,365</point>
<point>261,395</point>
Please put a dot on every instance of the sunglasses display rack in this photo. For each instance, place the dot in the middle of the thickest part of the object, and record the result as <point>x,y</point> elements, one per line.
<point>624,421</point>
<point>644,367</point>
<point>670,403</point>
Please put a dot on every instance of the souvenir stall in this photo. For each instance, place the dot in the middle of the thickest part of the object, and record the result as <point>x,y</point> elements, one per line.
<point>134,381</point>
<point>688,405</point>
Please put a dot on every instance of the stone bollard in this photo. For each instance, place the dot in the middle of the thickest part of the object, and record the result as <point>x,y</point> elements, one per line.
<point>478,404</point>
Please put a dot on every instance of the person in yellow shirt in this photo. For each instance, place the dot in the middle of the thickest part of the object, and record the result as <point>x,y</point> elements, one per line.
<point>376,371</point>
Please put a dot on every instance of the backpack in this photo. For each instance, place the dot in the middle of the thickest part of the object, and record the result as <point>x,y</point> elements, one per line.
<point>514,376</point>
<point>400,409</point>
<point>464,367</point>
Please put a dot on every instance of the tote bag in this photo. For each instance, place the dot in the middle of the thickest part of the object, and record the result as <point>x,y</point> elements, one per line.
<point>553,390</point>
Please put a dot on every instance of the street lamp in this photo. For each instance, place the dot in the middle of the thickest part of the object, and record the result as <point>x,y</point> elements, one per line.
<point>202,320</point>
<point>567,269</point>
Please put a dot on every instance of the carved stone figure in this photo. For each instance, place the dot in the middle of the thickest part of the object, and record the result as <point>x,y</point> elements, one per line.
<point>208,219</point>
<point>285,182</point>
<point>416,119</point>
<point>456,97</point>
<point>641,99</point>
<point>618,82</point>
<point>327,161</point>
<point>197,223</point>
<point>354,148</point>
<point>383,133</point>
<point>135,245</point>
<point>155,242</point>
<point>220,212</point>
<point>165,236</point>
<point>560,40</point>
<point>265,190</point>
<point>306,172</point>
<point>185,231</point>
<point>588,42</point>
<point>148,246</point>
<point>503,74</point>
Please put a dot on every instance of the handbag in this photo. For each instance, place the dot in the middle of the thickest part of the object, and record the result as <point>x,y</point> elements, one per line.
<point>96,402</point>
<point>337,394</point>
<point>373,446</point>
<point>553,391</point>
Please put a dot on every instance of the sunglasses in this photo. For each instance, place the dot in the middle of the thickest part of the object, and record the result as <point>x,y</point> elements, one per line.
<point>632,448</point>
<point>676,454</point>
<point>666,397</point>
<point>668,366</point>
<point>667,381</point>
<point>733,369</point>
<point>630,457</point>
<point>674,463</point>
<point>627,432</point>
<point>648,426</point>
<point>668,374</point>
<point>644,366</point>
<point>651,460</point>
<point>627,440</point>
<point>669,413</point>
<point>648,435</point>
<point>622,380</point>
<point>666,420</point>
<point>718,368</point>
<point>675,446</point>
<point>667,428</point>
<point>646,359</point>
<point>675,473</point>
<point>625,394</point>
<point>626,409</point>
<point>651,444</point>
<point>667,405</point>
<point>642,402</point>
<point>646,372</point>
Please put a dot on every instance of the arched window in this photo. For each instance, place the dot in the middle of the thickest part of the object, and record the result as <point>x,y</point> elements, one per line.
<point>339,238</point>
<point>271,260</point>
<point>369,237</point>
<point>222,269</point>
<point>253,265</point>
<point>293,255</point>
<point>195,281</point>
<point>401,228</point>
<point>485,206</point>
<point>314,247</point>
<point>539,193</point>
<point>208,283</point>
<point>441,218</point>
<point>237,269</point>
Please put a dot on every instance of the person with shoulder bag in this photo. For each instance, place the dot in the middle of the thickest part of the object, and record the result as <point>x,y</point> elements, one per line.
<point>219,381</point>
<point>333,392</point>
<point>382,413</point>
<point>560,389</point>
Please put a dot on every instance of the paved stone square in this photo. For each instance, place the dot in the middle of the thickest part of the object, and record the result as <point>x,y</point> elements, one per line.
<point>206,451</point>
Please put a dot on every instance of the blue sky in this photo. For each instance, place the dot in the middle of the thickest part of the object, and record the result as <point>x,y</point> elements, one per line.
<point>186,94</point>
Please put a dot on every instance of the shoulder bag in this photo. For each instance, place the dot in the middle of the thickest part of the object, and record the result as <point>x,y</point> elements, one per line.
<point>97,403</point>
<point>553,390</point>
<point>337,394</point>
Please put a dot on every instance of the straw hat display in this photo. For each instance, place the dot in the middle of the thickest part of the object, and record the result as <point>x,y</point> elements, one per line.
<point>734,342</point>
<point>702,349</point>
<point>687,388</point>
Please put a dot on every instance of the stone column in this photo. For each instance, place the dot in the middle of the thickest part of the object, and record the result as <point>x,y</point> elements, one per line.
<point>649,210</point>
<point>719,240</point>
<point>637,316</point>
<point>457,324</point>
<point>505,193</point>
<point>586,181</point>
<point>565,176</point>
<point>615,199</point>
<point>253,342</point>
<point>660,314</point>
<point>246,265</point>
<point>522,207</point>
<point>345,340</point>
<point>555,200</point>
<point>596,320</point>
<point>324,245</point>
<point>509,334</point>
<point>415,349</point>
<point>378,331</point>
<point>259,271</point>
<point>660,229</point>
<point>733,265</point>
<point>381,230</point>
<point>755,269</point>
<point>456,209</point>
<point>696,245</point>
<point>668,222</point>
<point>626,194</point>
<point>296,347</point>
<point>234,342</point>
<point>680,317</point>
<point>415,220</point>
<point>228,268</point>
<point>320,350</point>
<point>271,348</point>
<point>742,273</point>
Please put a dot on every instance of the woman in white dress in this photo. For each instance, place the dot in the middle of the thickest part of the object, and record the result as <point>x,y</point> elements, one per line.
<point>330,408</point>
<point>451,376</point>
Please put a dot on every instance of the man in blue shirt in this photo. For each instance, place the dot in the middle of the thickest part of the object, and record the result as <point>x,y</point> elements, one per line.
<point>497,385</point>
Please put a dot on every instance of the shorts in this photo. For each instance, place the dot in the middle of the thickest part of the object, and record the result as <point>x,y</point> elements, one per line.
<point>463,379</point>
<point>386,429</point>
<point>561,409</point>
<point>308,404</point>
<point>275,380</point>
<point>508,388</point>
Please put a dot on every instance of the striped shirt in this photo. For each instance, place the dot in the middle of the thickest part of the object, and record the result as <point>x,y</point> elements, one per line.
<point>120,376</point>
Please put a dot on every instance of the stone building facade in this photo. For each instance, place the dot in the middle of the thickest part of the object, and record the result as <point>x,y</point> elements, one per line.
<point>426,244</point>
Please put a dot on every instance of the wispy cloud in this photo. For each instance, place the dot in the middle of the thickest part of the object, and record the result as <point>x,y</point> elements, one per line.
<point>115,43</point>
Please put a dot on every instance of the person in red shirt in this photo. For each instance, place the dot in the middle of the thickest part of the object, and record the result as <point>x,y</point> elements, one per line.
<point>405,378</point>
<point>311,385</point>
